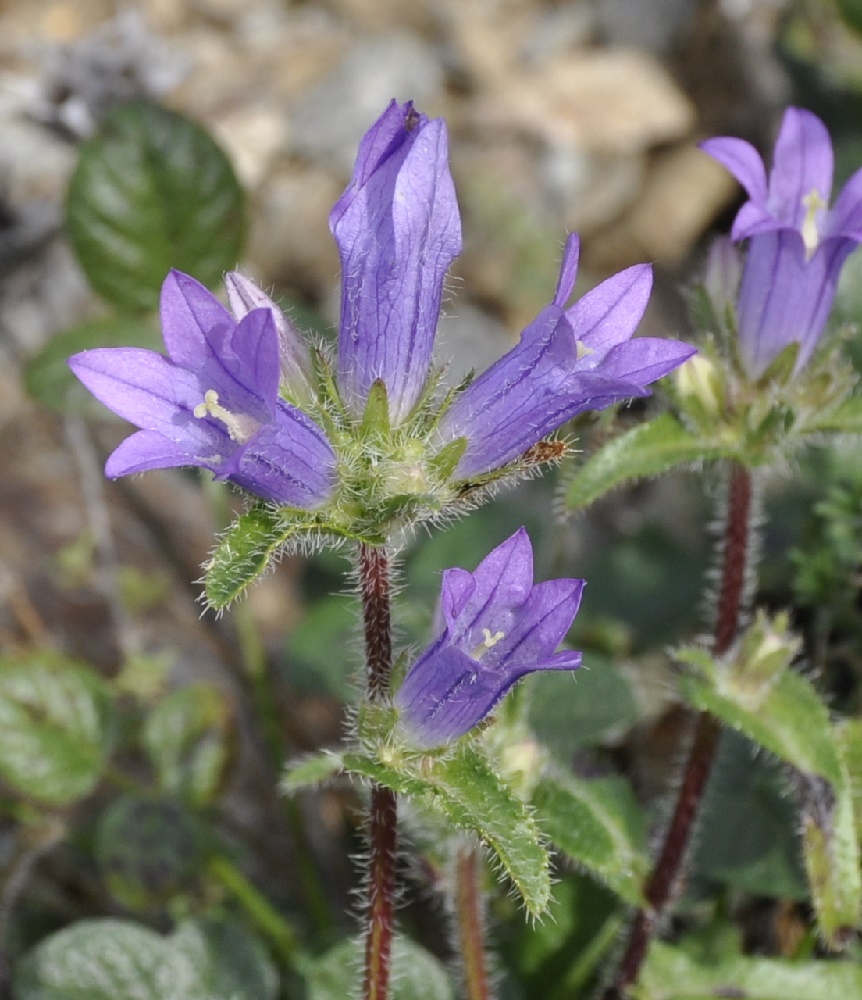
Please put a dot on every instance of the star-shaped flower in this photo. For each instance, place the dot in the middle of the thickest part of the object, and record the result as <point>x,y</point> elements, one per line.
<point>212,402</point>
<point>569,359</point>
<point>797,244</point>
<point>494,626</point>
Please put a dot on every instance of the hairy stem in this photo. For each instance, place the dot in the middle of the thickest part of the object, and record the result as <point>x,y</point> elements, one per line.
<point>660,887</point>
<point>377,620</point>
<point>471,931</point>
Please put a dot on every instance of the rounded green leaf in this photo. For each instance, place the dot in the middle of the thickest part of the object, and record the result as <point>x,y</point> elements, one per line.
<point>147,850</point>
<point>56,724</point>
<point>187,737</point>
<point>416,974</point>
<point>150,192</point>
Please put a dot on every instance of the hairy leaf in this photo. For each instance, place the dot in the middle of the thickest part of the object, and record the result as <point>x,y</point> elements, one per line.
<point>598,824</point>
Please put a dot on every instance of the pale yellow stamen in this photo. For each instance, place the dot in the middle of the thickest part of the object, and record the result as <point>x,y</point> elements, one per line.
<point>487,643</point>
<point>813,203</point>
<point>583,350</point>
<point>239,427</point>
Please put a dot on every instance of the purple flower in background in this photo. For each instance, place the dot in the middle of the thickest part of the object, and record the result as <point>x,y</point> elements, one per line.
<point>494,626</point>
<point>568,360</point>
<point>797,245</point>
<point>213,402</point>
<point>398,229</point>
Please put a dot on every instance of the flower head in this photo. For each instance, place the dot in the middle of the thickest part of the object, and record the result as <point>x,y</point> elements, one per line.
<point>398,229</point>
<point>797,244</point>
<point>494,626</point>
<point>569,359</point>
<point>213,401</point>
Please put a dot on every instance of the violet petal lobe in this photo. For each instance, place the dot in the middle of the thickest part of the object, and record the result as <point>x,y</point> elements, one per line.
<point>802,164</point>
<point>845,219</point>
<point>743,161</point>
<point>500,633</point>
<point>398,229</point>
<point>190,315</point>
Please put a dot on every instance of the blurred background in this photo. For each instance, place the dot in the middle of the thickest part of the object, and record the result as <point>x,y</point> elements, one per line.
<point>563,116</point>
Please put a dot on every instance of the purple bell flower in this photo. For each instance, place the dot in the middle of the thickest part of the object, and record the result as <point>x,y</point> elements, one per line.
<point>494,626</point>
<point>398,229</point>
<point>568,360</point>
<point>797,244</point>
<point>213,402</point>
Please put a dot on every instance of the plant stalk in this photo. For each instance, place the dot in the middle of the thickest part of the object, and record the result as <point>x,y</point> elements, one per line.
<point>377,620</point>
<point>735,556</point>
<point>471,930</point>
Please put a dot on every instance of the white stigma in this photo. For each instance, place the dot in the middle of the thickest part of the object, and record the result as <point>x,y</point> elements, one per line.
<point>813,204</point>
<point>583,350</point>
<point>239,426</point>
<point>489,642</point>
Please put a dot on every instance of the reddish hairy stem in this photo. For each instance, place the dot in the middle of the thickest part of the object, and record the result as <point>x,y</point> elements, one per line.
<point>662,883</point>
<point>471,936</point>
<point>377,619</point>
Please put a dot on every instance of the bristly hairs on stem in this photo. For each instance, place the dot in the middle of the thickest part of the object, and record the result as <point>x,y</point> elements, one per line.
<point>468,909</point>
<point>735,581</point>
<point>374,582</point>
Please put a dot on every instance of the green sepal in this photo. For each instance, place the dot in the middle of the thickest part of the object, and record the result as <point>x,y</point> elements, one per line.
<point>670,973</point>
<point>848,736</point>
<point>790,720</point>
<point>445,461</point>
<point>599,825</point>
<point>311,771</point>
<point>375,419</point>
<point>463,787</point>
<point>244,552</point>
<point>645,450</point>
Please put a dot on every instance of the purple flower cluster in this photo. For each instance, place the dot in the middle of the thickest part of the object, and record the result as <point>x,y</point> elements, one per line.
<point>236,393</point>
<point>797,245</point>
<point>493,627</point>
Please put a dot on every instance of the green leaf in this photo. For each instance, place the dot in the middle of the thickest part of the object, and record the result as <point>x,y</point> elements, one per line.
<point>187,738</point>
<point>581,710</point>
<point>831,852</point>
<point>789,719</point>
<point>416,974</point>
<point>598,824</point>
<point>230,961</point>
<point>150,192</point>
<point>49,379</point>
<point>147,850</point>
<point>56,723</point>
<point>243,552</point>
<point>747,832</point>
<point>311,771</point>
<point>120,960</point>
<point>670,974</point>
<point>645,450</point>
<point>464,788</point>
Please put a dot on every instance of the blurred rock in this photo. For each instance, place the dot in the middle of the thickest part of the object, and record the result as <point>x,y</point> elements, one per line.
<point>330,120</point>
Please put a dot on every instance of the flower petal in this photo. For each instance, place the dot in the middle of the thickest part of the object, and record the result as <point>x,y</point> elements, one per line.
<point>568,271</point>
<point>845,219</point>
<point>802,164</point>
<point>542,622</point>
<point>146,450</point>
<point>290,461</point>
<point>150,391</point>
<point>644,359</point>
<point>190,313</point>
<point>610,312</point>
<point>743,161</point>
<point>784,298</point>
<point>398,230</point>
